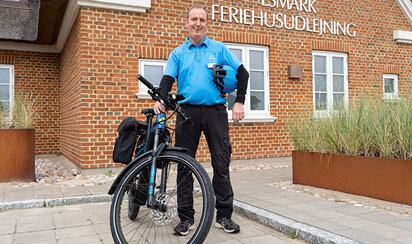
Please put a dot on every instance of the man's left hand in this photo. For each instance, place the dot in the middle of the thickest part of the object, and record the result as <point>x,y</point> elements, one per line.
<point>238,112</point>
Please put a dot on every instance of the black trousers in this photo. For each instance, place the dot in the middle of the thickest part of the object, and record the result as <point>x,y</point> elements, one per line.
<point>213,121</point>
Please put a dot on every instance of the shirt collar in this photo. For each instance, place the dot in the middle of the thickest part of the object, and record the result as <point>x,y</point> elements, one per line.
<point>205,42</point>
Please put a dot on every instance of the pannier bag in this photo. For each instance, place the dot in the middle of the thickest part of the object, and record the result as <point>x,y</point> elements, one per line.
<point>128,130</point>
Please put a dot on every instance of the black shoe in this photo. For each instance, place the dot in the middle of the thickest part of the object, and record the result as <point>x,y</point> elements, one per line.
<point>183,228</point>
<point>227,225</point>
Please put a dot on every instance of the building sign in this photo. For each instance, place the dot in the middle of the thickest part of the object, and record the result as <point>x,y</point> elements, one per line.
<point>281,20</point>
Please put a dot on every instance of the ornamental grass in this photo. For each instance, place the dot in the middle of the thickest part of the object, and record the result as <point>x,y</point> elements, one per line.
<point>22,113</point>
<point>367,127</point>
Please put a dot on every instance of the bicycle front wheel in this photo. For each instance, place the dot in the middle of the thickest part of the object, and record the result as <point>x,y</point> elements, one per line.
<point>156,225</point>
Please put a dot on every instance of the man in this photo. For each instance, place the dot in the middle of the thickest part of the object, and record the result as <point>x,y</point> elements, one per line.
<point>204,104</point>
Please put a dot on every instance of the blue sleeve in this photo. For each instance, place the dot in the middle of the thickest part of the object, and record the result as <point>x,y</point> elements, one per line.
<point>230,58</point>
<point>172,66</point>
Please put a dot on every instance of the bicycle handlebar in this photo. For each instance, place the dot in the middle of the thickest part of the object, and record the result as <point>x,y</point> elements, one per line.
<point>145,82</point>
<point>170,102</point>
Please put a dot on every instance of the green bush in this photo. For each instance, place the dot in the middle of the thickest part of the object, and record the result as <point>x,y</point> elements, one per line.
<point>369,127</point>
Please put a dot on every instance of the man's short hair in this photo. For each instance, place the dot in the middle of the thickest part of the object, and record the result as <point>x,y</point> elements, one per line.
<point>197,6</point>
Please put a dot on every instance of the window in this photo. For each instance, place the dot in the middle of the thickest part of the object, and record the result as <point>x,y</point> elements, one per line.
<point>152,70</point>
<point>256,61</point>
<point>6,86</point>
<point>390,86</point>
<point>330,82</point>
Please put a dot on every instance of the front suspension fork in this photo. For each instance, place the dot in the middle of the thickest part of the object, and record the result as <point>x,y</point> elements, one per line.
<point>157,150</point>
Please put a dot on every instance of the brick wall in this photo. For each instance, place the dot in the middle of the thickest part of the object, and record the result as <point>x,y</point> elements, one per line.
<point>72,118</point>
<point>100,64</point>
<point>38,74</point>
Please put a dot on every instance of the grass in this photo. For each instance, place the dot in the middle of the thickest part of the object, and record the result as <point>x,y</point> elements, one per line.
<point>369,127</point>
<point>3,117</point>
<point>293,235</point>
<point>22,114</point>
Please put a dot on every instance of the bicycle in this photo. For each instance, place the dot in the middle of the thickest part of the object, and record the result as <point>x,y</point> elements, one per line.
<point>143,211</point>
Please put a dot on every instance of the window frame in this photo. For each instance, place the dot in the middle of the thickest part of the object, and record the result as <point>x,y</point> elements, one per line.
<point>329,82</point>
<point>254,115</point>
<point>142,93</point>
<point>395,94</point>
<point>10,84</point>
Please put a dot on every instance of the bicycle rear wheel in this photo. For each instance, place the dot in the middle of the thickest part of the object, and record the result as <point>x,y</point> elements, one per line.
<point>156,226</point>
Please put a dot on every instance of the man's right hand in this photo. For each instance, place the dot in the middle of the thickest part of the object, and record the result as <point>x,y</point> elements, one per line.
<point>159,108</point>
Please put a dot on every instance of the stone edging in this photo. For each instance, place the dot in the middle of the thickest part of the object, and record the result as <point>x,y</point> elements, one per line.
<point>287,226</point>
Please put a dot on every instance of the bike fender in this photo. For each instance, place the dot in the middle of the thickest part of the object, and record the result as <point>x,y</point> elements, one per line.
<point>131,164</point>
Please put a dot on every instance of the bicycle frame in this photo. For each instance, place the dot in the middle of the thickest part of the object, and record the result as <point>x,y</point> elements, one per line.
<point>154,143</point>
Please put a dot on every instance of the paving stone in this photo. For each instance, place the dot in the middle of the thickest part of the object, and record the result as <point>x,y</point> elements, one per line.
<point>17,194</point>
<point>35,223</point>
<point>303,199</point>
<point>302,217</point>
<point>274,208</point>
<point>379,217</point>
<point>406,239</point>
<point>351,210</point>
<point>63,233</point>
<point>390,242</point>
<point>93,239</point>
<point>49,192</point>
<point>34,211</point>
<point>326,204</point>
<point>329,226</point>
<point>44,237</point>
<point>106,238</point>
<point>403,224</point>
<point>324,213</point>
<point>352,221</point>
<point>3,191</point>
<point>97,190</point>
<point>74,191</point>
<point>282,201</point>
<point>6,239</point>
<point>362,236</point>
<point>8,222</point>
<point>102,228</point>
<point>265,239</point>
<point>386,231</point>
<point>302,207</point>
<point>71,216</point>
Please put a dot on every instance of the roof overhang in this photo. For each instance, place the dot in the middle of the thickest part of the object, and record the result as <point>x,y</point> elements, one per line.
<point>70,15</point>
<point>406,7</point>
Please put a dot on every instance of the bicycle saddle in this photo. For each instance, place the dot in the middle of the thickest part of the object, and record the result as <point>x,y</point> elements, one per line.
<point>147,111</point>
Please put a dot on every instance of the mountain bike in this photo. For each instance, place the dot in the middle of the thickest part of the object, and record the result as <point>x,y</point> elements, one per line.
<point>145,202</point>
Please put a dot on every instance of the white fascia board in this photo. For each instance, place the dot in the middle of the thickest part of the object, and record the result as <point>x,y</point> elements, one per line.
<point>406,7</point>
<point>401,36</point>
<point>28,47</point>
<point>70,15</point>
<point>124,5</point>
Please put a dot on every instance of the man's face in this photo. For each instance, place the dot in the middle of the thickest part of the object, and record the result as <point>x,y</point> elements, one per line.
<point>197,24</point>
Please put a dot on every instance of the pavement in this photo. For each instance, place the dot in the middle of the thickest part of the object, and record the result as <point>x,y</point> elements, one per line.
<point>310,218</point>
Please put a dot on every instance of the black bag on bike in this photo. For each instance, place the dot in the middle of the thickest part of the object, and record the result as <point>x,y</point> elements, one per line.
<point>128,130</point>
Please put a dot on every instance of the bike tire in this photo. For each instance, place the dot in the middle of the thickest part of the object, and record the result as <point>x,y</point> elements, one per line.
<point>133,206</point>
<point>155,226</point>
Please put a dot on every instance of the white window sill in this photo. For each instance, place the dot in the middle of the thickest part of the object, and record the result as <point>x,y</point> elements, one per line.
<point>401,36</point>
<point>247,119</point>
<point>393,99</point>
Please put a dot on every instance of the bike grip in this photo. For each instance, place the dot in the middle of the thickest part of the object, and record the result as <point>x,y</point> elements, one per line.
<point>144,81</point>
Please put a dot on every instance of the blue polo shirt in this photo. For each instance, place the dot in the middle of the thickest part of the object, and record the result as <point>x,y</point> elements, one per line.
<point>189,64</point>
